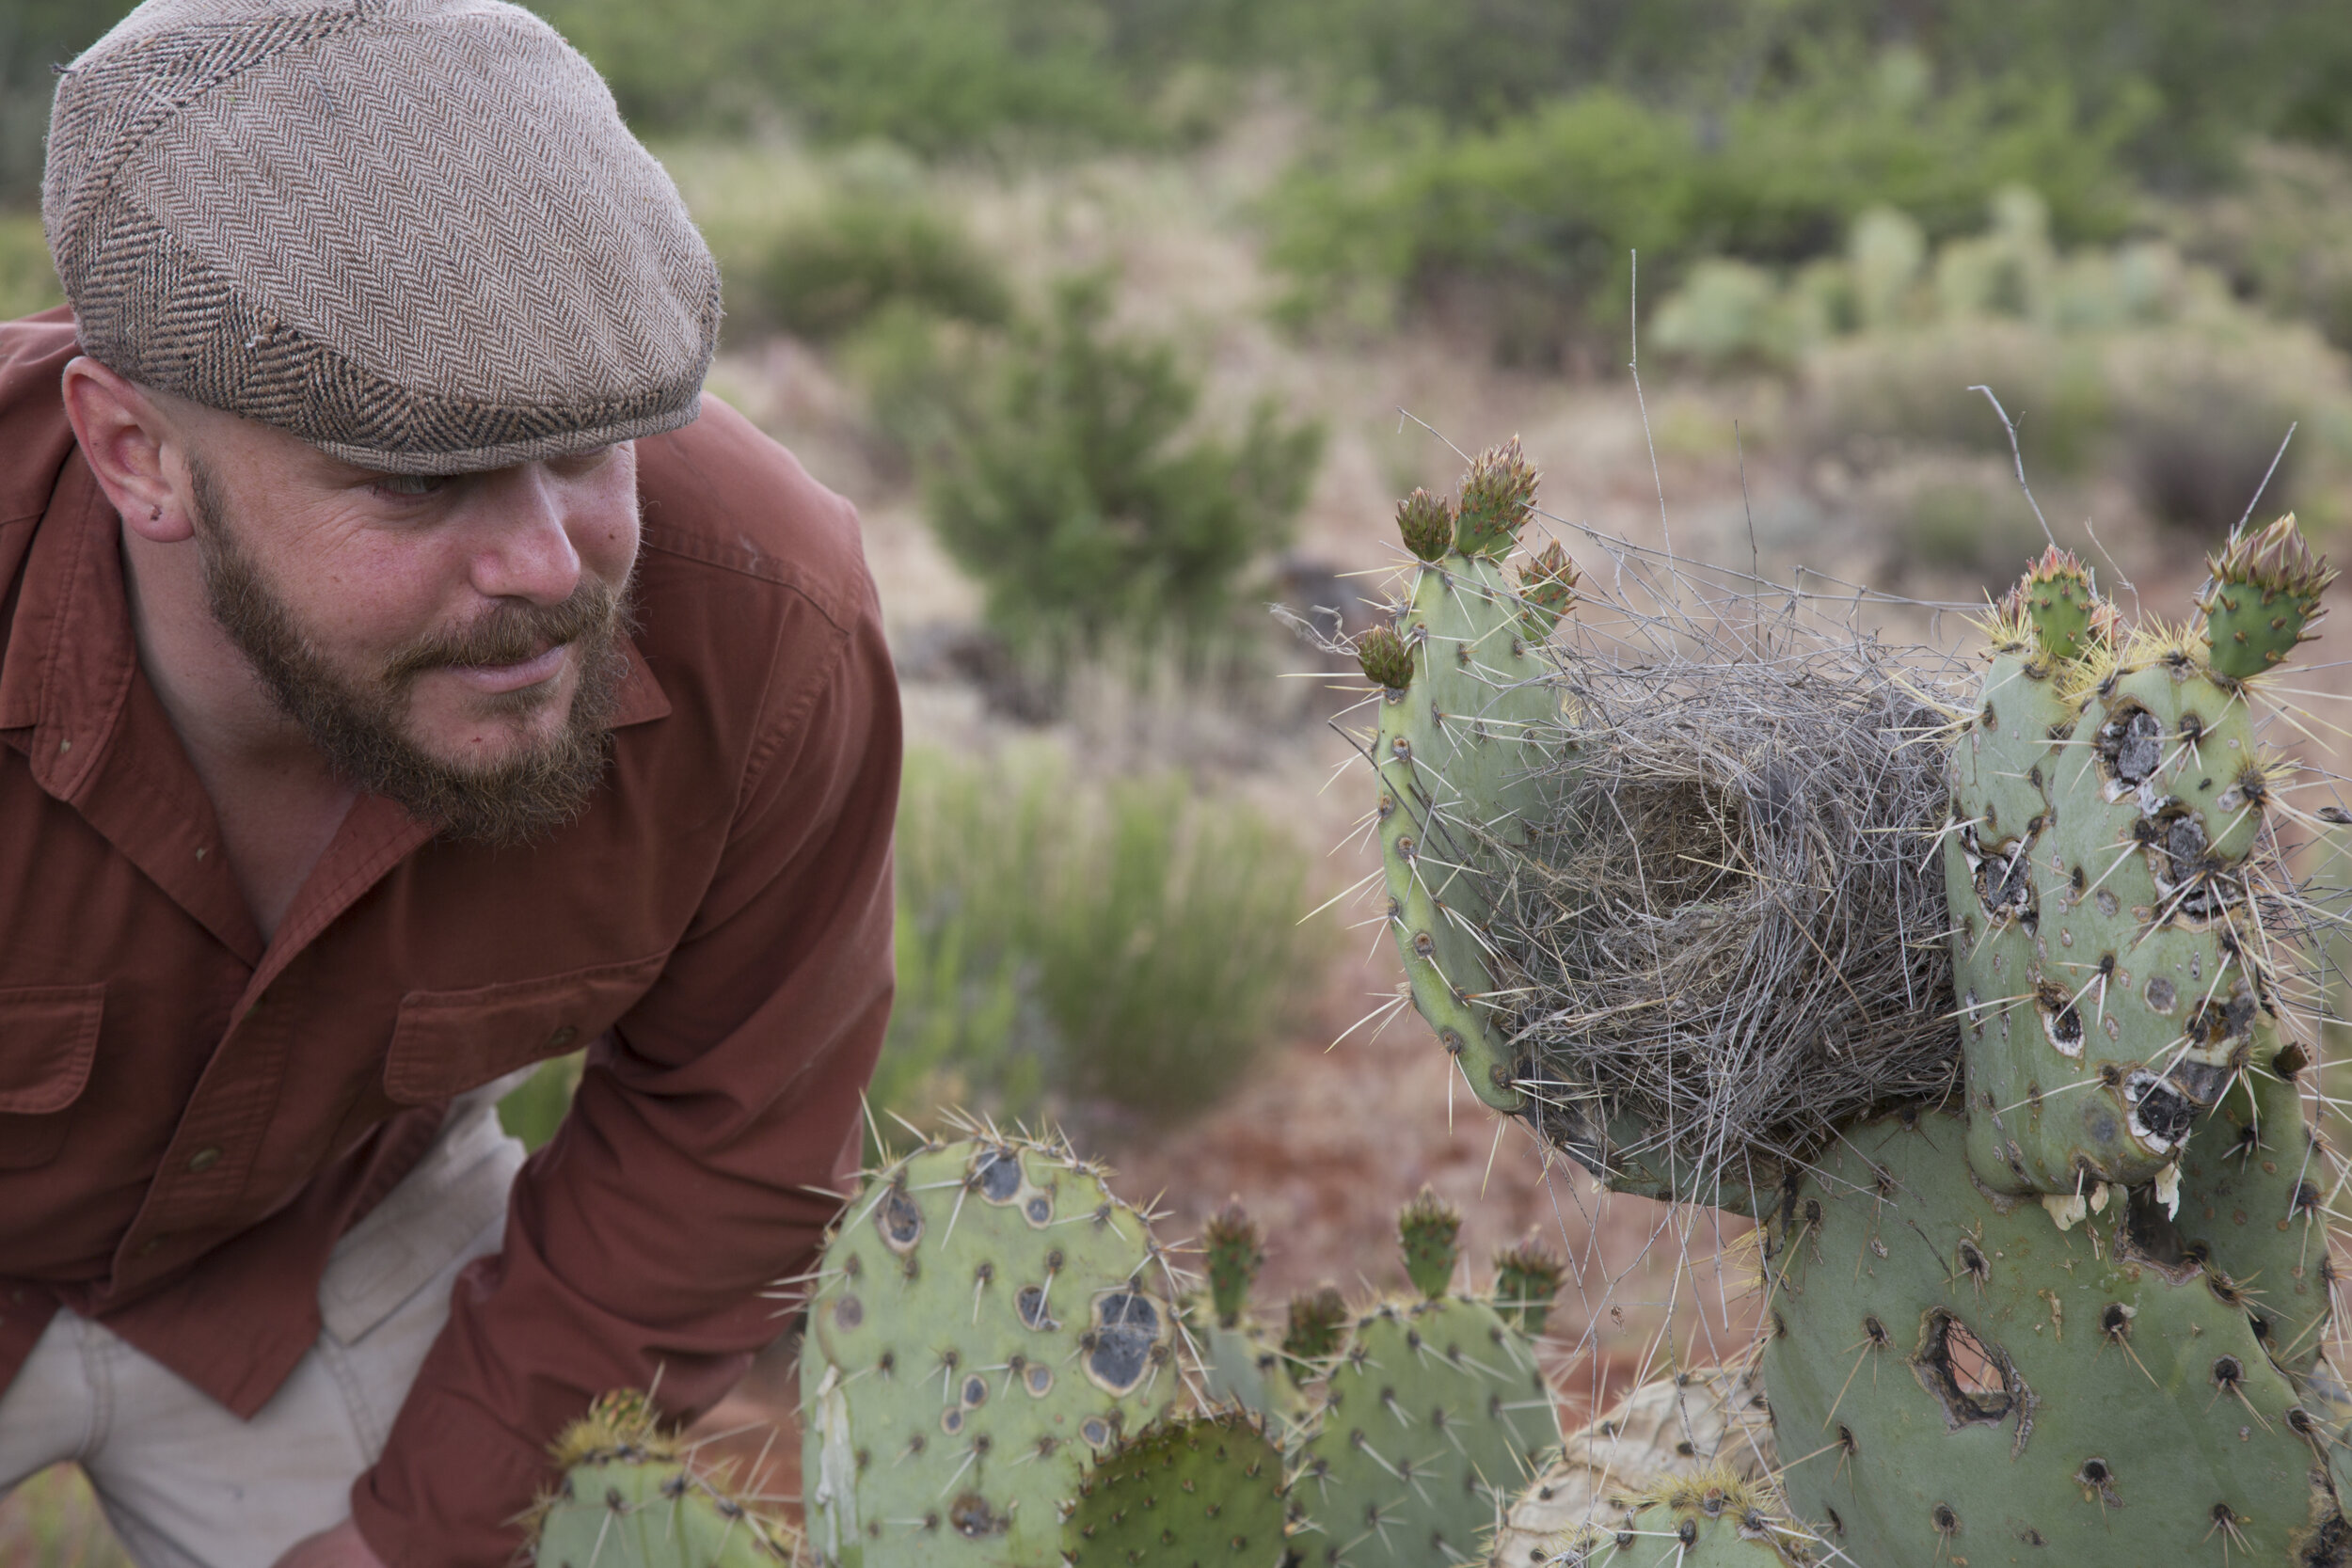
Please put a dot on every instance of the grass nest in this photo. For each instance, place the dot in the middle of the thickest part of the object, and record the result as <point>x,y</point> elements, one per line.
<point>1731,926</point>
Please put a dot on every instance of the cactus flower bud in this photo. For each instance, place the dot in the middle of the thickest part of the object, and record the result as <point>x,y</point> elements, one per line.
<point>1498,499</point>
<point>1427,1229</point>
<point>1526,1278</point>
<point>1386,660</point>
<point>1427,524</point>
<point>1316,1320</point>
<point>1546,588</point>
<point>1235,1253</point>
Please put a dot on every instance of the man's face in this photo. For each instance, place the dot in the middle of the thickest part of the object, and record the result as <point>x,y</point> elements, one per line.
<point>452,644</point>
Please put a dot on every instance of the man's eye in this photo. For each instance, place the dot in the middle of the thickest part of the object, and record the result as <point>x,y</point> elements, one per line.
<point>406,485</point>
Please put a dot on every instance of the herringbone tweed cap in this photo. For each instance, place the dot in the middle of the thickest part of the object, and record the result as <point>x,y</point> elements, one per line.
<point>414,232</point>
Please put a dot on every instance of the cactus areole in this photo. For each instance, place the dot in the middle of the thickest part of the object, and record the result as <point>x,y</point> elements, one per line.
<point>2072,1314</point>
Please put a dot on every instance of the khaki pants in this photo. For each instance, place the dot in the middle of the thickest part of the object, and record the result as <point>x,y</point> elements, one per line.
<point>189,1485</point>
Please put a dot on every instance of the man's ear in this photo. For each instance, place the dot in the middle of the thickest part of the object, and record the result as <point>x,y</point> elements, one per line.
<point>133,447</point>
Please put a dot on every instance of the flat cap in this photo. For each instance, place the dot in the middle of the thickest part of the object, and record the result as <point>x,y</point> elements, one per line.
<point>415,233</point>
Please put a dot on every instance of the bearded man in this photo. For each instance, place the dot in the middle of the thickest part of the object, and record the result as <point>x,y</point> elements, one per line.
<point>407,676</point>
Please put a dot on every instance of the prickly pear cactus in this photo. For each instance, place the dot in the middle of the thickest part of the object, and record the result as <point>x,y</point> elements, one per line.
<point>989,1319</point>
<point>1200,1492</point>
<point>1953,1375</point>
<point>2075,1316</point>
<point>628,1500</point>
<point>1433,1414</point>
<point>1460,690</point>
<point>1434,1417</point>
<point>1709,1520</point>
<point>1241,1360</point>
<point>1673,1428</point>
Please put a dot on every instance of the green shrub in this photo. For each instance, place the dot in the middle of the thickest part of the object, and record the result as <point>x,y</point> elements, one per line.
<point>1060,940</point>
<point>1554,200</point>
<point>1975,527</point>
<point>872,245</point>
<point>1073,488</point>
<point>939,76</point>
<point>1135,941</point>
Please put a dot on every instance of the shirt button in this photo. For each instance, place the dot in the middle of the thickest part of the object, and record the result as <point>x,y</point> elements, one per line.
<point>203,1159</point>
<point>564,1036</point>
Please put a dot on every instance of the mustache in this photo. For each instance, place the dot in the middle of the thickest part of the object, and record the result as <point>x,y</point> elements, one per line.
<point>510,633</point>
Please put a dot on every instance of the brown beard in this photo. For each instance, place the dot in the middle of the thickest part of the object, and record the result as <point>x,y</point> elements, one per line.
<point>361,726</point>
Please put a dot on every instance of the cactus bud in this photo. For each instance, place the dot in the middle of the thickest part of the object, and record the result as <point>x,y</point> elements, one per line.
<point>2263,600</point>
<point>1498,499</point>
<point>1386,660</point>
<point>1427,1229</point>
<point>1316,1320</point>
<point>2062,601</point>
<point>1235,1253</point>
<point>1427,524</point>
<point>1526,1278</point>
<point>1547,589</point>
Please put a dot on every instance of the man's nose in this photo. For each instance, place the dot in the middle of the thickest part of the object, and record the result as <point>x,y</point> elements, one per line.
<point>524,547</point>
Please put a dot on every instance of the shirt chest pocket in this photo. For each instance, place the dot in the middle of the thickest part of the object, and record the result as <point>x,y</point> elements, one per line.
<point>48,1039</point>
<point>448,1042</point>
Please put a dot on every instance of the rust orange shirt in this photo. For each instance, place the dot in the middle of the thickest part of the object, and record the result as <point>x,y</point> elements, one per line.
<point>190,1116</point>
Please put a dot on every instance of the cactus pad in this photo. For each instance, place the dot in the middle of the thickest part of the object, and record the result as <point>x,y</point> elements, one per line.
<point>1434,1417</point>
<point>1679,1426</point>
<point>1958,1376</point>
<point>2263,600</point>
<point>1714,1519</point>
<point>628,1500</point>
<point>989,1319</point>
<point>1204,1493</point>
<point>1454,729</point>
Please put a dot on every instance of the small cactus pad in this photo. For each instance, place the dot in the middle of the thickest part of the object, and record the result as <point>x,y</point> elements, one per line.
<point>1498,500</point>
<point>1678,1426</point>
<point>1427,524</point>
<point>1427,1230</point>
<point>628,1500</point>
<point>1204,1493</point>
<point>2263,600</point>
<point>1958,1376</point>
<point>1234,1253</point>
<point>2060,602</point>
<point>1385,660</point>
<point>1547,590</point>
<point>988,1319</point>
<point>1457,730</point>
<point>1318,1323</point>
<point>1242,1365</point>
<point>2099,885</point>
<point>1433,1420</point>
<point>1526,1276</point>
<point>1714,1519</point>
